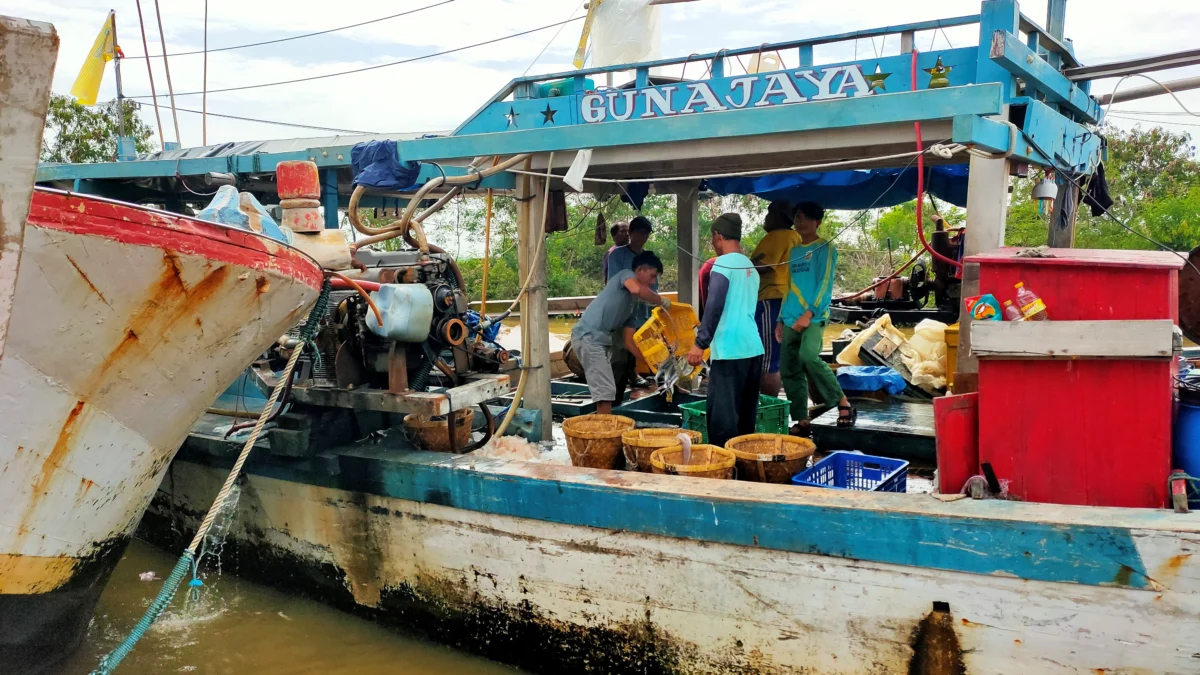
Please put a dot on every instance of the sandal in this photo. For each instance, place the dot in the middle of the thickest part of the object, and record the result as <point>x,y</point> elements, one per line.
<point>849,418</point>
<point>801,429</point>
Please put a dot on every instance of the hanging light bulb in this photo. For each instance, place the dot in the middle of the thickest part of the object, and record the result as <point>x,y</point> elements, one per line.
<point>1045,192</point>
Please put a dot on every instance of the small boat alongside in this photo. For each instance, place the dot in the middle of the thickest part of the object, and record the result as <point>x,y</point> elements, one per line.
<point>125,324</point>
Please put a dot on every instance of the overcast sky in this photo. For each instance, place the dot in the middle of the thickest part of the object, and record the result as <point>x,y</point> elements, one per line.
<point>439,93</point>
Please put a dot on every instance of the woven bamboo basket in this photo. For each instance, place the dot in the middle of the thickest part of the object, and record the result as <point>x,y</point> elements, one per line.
<point>432,432</point>
<point>706,461</point>
<point>641,443</point>
<point>770,458</point>
<point>594,441</point>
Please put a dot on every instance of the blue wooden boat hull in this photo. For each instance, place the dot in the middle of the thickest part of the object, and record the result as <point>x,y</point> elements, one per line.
<point>561,569</point>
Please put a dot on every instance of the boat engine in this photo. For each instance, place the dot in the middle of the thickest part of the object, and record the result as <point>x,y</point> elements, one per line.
<point>427,335</point>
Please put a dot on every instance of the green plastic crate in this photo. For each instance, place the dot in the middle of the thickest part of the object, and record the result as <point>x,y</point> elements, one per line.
<point>772,416</point>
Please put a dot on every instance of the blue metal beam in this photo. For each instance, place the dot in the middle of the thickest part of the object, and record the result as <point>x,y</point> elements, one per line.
<point>330,158</point>
<point>1008,52</point>
<point>919,106</point>
<point>329,198</point>
<point>1067,144</point>
<point>996,15</point>
<point>993,136</point>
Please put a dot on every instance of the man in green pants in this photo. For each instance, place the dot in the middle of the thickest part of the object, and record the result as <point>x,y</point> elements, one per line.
<point>802,320</point>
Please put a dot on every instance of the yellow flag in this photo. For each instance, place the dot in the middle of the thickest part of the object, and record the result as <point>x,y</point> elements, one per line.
<point>87,85</point>
<point>581,51</point>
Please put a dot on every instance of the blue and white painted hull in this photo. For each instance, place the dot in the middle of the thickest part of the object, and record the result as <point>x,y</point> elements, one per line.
<point>560,570</point>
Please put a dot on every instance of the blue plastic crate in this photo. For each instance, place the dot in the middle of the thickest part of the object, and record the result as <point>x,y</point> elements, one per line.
<point>852,471</point>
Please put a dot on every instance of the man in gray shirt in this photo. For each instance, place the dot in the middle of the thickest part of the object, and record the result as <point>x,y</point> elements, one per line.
<point>624,364</point>
<point>614,310</point>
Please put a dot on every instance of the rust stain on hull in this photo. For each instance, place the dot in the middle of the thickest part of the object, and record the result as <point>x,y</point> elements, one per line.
<point>58,453</point>
<point>83,275</point>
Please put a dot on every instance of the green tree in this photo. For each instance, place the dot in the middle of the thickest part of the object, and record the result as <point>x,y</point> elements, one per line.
<point>1152,177</point>
<point>78,134</point>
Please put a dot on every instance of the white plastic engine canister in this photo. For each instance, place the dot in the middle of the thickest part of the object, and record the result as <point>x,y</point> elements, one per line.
<point>407,311</point>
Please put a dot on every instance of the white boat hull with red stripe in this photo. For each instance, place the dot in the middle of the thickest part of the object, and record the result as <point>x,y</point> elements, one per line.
<point>126,324</point>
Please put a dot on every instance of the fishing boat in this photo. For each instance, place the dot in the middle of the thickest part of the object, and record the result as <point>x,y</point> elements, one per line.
<point>562,569</point>
<point>126,322</point>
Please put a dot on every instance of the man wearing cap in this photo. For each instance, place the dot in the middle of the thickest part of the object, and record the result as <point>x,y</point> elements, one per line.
<point>620,237</point>
<point>611,313</point>
<point>771,260</point>
<point>728,328</point>
<point>624,363</point>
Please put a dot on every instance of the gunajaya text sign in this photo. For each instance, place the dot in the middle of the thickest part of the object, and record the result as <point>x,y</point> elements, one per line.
<point>735,93</point>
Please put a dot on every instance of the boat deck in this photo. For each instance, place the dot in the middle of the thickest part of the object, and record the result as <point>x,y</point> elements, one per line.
<point>901,430</point>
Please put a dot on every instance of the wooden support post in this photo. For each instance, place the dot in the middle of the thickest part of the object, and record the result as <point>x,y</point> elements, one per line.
<point>687,233</point>
<point>906,41</point>
<point>987,207</point>
<point>1062,218</point>
<point>534,315</point>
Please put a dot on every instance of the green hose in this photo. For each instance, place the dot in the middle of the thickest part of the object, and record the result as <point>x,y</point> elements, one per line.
<point>188,561</point>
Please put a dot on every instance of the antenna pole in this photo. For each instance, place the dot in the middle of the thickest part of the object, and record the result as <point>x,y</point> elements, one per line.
<point>167,66</point>
<point>150,72</point>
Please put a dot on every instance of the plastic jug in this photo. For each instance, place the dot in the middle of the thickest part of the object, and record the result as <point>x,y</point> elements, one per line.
<point>1032,307</point>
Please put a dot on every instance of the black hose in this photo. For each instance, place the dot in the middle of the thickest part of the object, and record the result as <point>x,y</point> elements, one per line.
<point>488,429</point>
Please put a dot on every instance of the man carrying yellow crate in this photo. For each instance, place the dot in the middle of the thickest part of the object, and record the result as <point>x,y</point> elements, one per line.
<point>729,329</point>
<point>614,309</point>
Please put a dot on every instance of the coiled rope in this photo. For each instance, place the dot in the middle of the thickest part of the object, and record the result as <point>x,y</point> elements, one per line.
<point>189,560</point>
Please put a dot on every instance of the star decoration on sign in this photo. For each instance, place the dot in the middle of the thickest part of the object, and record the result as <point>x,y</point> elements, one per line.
<point>938,75</point>
<point>511,116</point>
<point>548,115</point>
<point>875,80</point>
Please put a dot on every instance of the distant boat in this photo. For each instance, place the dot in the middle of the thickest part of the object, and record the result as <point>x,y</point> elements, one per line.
<point>123,324</point>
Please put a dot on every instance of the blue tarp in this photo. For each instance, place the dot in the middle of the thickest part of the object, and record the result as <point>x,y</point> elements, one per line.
<point>870,378</point>
<point>851,190</point>
<point>376,164</point>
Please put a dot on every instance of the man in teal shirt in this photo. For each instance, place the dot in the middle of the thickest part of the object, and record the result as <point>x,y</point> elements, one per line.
<point>729,329</point>
<point>802,319</point>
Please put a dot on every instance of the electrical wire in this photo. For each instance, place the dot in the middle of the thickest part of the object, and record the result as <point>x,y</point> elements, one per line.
<point>378,66</point>
<point>861,214</point>
<point>277,123</point>
<point>1148,121</point>
<point>1113,96</point>
<point>551,41</point>
<point>295,37</point>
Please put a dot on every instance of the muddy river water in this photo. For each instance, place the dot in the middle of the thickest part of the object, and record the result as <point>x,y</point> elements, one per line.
<point>241,628</point>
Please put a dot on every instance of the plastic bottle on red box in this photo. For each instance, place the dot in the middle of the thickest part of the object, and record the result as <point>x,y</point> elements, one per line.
<point>1031,305</point>
<point>1011,313</point>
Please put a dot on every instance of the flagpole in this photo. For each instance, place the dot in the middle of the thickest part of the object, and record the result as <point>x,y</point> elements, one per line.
<point>112,15</point>
<point>150,72</point>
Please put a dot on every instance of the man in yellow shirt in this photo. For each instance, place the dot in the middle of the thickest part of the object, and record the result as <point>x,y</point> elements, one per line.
<point>770,258</point>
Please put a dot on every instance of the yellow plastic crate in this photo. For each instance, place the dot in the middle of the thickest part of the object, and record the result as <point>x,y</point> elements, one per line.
<point>668,333</point>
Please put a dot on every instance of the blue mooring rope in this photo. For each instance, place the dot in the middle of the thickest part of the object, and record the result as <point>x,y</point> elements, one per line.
<point>188,562</point>
<point>165,595</point>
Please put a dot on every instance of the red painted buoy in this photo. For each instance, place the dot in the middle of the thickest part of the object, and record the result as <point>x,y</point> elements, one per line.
<point>297,179</point>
